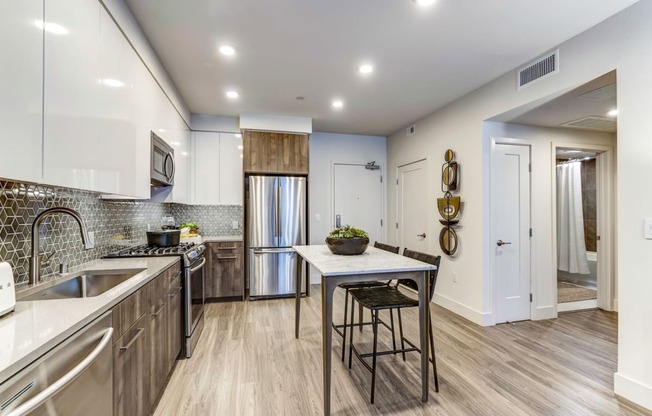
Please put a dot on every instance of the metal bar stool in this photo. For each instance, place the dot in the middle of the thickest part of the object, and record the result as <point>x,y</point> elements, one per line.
<point>390,298</point>
<point>340,329</point>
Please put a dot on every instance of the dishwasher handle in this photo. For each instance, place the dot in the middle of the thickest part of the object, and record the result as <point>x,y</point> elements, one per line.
<point>68,378</point>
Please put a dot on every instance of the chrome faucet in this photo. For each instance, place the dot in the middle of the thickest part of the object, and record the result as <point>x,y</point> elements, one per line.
<point>35,263</point>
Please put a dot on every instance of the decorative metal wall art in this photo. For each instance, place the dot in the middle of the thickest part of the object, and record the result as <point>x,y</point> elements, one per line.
<point>449,205</point>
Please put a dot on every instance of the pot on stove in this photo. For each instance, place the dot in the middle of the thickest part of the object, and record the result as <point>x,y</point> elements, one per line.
<point>165,238</point>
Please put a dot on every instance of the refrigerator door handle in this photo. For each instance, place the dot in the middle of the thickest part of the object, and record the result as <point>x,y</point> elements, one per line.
<point>272,251</point>
<point>278,211</point>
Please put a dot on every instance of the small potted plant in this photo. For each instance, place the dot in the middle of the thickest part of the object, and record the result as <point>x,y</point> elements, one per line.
<point>347,241</point>
<point>193,229</point>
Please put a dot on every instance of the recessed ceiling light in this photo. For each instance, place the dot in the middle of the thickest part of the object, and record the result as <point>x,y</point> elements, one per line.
<point>115,83</point>
<point>613,113</point>
<point>55,28</point>
<point>227,50</point>
<point>365,69</point>
<point>300,98</point>
<point>238,135</point>
<point>424,2</point>
<point>338,104</point>
<point>161,130</point>
<point>240,147</point>
<point>232,94</point>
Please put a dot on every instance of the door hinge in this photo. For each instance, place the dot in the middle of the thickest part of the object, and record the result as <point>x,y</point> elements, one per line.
<point>396,182</point>
<point>530,297</point>
<point>397,226</point>
<point>381,178</point>
<point>530,232</point>
<point>529,167</point>
<point>381,223</point>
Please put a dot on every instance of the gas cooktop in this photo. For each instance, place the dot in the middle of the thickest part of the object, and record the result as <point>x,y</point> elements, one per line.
<point>146,251</point>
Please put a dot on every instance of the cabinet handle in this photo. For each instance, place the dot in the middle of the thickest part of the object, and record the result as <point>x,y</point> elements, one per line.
<point>159,311</point>
<point>227,257</point>
<point>138,334</point>
<point>176,292</point>
<point>227,248</point>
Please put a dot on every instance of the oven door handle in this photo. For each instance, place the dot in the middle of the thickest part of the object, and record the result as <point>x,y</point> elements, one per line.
<point>203,262</point>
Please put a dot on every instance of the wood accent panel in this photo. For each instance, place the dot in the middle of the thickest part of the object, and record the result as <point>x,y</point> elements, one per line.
<point>224,272</point>
<point>561,366</point>
<point>175,325</point>
<point>275,153</point>
<point>131,368</point>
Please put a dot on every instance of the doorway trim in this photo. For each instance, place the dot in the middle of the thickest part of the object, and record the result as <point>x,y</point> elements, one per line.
<point>605,220</point>
<point>492,233</point>
<point>396,228</point>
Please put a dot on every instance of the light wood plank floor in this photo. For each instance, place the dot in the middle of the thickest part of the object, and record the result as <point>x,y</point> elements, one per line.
<point>249,363</point>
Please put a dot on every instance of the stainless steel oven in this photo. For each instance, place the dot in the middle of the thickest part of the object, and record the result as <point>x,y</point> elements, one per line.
<point>162,171</point>
<point>194,302</point>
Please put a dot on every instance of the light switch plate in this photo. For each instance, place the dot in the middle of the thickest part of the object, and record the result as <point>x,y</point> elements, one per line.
<point>648,228</point>
<point>235,225</point>
<point>91,240</point>
<point>317,217</point>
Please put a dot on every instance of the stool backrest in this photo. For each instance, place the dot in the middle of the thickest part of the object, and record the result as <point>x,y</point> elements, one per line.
<point>386,247</point>
<point>426,258</point>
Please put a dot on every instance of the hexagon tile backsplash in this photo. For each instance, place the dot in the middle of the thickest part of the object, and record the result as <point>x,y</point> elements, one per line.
<point>115,224</point>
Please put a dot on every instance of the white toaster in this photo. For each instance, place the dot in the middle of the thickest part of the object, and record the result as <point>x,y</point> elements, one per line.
<point>7,290</point>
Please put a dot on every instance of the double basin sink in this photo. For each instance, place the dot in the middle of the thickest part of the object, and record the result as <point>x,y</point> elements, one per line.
<point>84,284</point>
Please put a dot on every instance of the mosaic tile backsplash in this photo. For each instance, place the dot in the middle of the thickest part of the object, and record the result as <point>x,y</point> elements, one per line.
<point>115,224</point>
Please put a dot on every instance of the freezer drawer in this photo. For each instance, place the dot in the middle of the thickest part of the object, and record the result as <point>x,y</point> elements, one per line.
<point>272,272</point>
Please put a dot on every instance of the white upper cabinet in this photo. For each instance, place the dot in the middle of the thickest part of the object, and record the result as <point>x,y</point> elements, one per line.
<point>21,82</point>
<point>217,165</point>
<point>72,96</point>
<point>231,181</point>
<point>206,166</point>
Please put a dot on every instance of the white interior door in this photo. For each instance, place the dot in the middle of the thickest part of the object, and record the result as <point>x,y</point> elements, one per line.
<point>510,196</point>
<point>358,198</point>
<point>412,207</point>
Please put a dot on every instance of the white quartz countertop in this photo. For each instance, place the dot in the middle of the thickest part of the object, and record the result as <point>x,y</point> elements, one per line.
<point>371,261</point>
<point>37,326</point>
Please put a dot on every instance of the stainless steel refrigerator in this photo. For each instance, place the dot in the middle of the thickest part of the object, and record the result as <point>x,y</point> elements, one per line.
<point>276,220</point>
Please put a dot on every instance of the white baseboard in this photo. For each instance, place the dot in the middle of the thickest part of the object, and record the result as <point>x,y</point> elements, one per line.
<point>633,390</point>
<point>615,305</point>
<point>480,318</point>
<point>576,306</point>
<point>544,312</point>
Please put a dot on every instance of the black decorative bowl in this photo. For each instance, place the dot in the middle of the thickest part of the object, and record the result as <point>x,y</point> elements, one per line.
<point>347,246</point>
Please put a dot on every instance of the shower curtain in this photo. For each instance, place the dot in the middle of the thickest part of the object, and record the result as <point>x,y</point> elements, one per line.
<point>571,250</point>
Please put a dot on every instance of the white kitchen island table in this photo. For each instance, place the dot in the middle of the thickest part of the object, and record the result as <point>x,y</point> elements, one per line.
<point>374,264</point>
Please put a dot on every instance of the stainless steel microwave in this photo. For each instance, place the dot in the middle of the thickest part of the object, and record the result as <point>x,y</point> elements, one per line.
<point>162,172</point>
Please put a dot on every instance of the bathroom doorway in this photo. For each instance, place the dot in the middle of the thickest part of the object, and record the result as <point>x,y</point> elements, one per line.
<point>577,231</point>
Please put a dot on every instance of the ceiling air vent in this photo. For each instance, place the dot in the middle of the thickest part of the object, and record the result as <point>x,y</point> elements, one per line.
<point>593,122</point>
<point>409,131</point>
<point>539,69</point>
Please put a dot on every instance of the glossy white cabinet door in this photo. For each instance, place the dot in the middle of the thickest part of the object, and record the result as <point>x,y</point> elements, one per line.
<point>71,95</point>
<point>115,156</point>
<point>231,180</point>
<point>206,167</point>
<point>21,80</point>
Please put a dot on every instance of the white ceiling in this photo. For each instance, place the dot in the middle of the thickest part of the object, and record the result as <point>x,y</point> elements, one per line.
<point>593,99</point>
<point>424,57</point>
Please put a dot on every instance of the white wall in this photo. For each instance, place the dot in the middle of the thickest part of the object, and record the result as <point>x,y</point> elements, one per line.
<point>223,124</point>
<point>621,43</point>
<point>326,149</point>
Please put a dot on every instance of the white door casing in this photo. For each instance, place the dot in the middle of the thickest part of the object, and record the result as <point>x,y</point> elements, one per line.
<point>412,206</point>
<point>510,202</point>
<point>358,198</point>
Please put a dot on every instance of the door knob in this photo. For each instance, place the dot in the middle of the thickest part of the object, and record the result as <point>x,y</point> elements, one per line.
<point>422,235</point>
<point>501,243</point>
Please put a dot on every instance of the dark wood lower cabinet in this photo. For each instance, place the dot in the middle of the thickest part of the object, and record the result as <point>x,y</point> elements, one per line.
<point>144,354</point>
<point>131,371</point>
<point>224,275</point>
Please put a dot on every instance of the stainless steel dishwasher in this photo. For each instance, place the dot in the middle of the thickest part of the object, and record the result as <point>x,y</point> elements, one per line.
<point>74,378</point>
